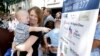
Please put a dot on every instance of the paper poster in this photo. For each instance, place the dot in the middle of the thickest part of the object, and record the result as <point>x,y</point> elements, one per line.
<point>78,26</point>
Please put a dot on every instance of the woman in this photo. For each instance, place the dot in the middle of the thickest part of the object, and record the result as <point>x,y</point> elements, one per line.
<point>35,20</point>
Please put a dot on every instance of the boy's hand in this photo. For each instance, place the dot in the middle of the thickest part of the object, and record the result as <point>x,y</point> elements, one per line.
<point>13,46</point>
<point>44,29</point>
<point>10,30</point>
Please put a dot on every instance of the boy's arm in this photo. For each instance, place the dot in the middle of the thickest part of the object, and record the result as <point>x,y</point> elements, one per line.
<point>44,29</point>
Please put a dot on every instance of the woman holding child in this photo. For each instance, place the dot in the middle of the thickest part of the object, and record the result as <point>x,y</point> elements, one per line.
<point>35,21</point>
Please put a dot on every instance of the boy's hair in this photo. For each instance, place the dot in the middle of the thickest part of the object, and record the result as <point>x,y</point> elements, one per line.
<point>57,20</point>
<point>20,12</point>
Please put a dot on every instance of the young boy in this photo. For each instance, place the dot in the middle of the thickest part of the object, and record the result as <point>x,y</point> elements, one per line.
<point>22,31</point>
<point>54,36</point>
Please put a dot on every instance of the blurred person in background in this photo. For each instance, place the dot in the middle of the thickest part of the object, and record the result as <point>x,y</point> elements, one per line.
<point>44,17</point>
<point>49,17</point>
<point>54,36</point>
<point>12,22</point>
<point>58,15</point>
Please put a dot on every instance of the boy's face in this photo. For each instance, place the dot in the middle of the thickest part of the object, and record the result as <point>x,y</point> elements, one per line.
<point>24,18</point>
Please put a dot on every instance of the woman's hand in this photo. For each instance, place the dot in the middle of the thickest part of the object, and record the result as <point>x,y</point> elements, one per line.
<point>10,30</point>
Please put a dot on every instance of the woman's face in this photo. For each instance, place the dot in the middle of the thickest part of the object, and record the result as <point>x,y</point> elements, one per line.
<point>33,17</point>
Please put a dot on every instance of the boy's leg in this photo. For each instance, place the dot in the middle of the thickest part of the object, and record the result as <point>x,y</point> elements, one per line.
<point>18,53</point>
<point>29,51</point>
<point>13,48</point>
<point>27,44</point>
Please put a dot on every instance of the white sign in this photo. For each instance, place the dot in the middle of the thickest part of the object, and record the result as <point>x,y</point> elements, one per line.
<point>77,27</point>
<point>53,3</point>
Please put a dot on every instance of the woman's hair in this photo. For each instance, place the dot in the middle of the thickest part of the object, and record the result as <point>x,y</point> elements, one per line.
<point>38,12</point>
